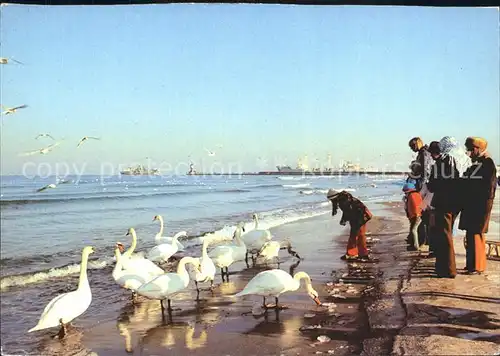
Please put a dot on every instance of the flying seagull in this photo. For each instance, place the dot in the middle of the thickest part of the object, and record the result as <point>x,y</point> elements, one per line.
<point>44,135</point>
<point>210,153</point>
<point>85,139</point>
<point>46,187</point>
<point>42,150</point>
<point>8,111</point>
<point>4,60</point>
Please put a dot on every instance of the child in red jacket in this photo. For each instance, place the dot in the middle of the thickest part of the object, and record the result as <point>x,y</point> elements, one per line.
<point>413,203</point>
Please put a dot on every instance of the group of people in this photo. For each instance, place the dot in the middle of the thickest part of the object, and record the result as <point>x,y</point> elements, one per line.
<point>435,194</point>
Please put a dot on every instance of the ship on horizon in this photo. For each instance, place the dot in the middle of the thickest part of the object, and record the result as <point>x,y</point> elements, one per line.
<point>140,170</point>
<point>303,168</point>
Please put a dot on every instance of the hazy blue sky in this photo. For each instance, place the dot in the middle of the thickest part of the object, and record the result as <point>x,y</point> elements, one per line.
<point>275,81</point>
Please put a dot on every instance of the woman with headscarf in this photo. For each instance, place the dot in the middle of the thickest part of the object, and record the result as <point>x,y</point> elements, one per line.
<point>479,187</point>
<point>357,214</point>
<point>443,183</point>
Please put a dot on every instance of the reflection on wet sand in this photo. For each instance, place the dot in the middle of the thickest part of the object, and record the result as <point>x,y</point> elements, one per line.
<point>174,329</point>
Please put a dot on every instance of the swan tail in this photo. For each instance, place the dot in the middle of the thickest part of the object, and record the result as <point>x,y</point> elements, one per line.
<point>35,328</point>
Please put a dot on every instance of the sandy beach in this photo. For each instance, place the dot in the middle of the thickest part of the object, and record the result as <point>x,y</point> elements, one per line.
<point>373,308</point>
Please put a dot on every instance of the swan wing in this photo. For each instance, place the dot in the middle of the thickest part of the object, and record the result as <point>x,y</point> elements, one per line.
<point>168,240</point>
<point>268,283</point>
<point>143,265</point>
<point>161,253</point>
<point>131,281</point>
<point>255,239</point>
<point>66,306</point>
<point>162,286</point>
<point>270,249</point>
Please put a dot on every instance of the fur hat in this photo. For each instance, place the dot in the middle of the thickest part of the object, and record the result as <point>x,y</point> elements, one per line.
<point>477,142</point>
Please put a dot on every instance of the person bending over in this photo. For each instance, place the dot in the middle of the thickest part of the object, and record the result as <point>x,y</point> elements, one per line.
<point>357,214</point>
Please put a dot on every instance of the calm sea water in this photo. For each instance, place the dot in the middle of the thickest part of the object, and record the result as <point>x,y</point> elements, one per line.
<point>43,233</point>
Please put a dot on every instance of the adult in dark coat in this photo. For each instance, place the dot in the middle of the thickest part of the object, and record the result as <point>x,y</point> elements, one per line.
<point>357,214</point>
<point>443,182</point>
<point>478,189</point>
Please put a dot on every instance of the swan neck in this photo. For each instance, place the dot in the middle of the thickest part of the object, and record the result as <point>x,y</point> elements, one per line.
<point>161,225</point>
<point>256,219</point>
<point>83,282</point>
<point>133,246</point>
<point>237,237</point>
<point>181,267</point>
<point>118,264</point>
<point>204,252</point>
<point>302,275</point>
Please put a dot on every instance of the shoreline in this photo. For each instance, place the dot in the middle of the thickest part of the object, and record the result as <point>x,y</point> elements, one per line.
<point>368,308</point>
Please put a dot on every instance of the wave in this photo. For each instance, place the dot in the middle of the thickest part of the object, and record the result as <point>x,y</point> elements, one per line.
<point>56,272</point>
<point>267,220</point>
<point>303,185</point>
<point>115,196</point>
<point>323,191</point>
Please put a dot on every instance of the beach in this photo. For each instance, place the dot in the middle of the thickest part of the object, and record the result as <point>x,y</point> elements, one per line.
<point>364,308</point>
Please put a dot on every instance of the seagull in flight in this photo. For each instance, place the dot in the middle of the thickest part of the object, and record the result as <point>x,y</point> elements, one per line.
<point>44,135</point>
<point>8,111</point>
<point>42,151</point>
<point>49,186</point>
<point>4,60</point>
<point>210,153</point>
<point>85,138</point>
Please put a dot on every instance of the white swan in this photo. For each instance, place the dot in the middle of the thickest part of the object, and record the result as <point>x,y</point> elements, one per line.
<point>137,263</point>
<point>273,283</point>
<point>168,284</point>
<point>256,238</point>
<point>161,253</point>
<point>126,278</point>
<point>65,307</point>
<point>207,269</point>
<point>160,239</point>
<point>225,255</point>
<point>269,251</point>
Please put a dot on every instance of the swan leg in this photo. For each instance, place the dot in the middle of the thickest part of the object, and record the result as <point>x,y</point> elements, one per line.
<point>264,303</point>
<point>162,308</point>
<point>134,297</point>
<point>227,274</point>
<point>169,306</point>
<point>278,261</point>
<point>222,273</point>
<point>197,291</point>
<point>246,258</point>
<point>62,331</point>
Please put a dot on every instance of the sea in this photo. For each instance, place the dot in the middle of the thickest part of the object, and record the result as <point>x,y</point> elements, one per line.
<point>43,233</point>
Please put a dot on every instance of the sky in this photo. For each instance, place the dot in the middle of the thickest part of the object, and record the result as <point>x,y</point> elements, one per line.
<point>273,82</point>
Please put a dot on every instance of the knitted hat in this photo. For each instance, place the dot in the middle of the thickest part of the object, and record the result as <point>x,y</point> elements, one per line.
<point>332,193</point>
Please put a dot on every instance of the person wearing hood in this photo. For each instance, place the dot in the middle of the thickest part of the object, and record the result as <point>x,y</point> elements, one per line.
<point>357,214</point>
<point>443,182</point>
<point>478,189</point>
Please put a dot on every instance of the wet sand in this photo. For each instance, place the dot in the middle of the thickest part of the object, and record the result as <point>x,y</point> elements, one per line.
<point>221,325</point>
<point>365,310</point>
